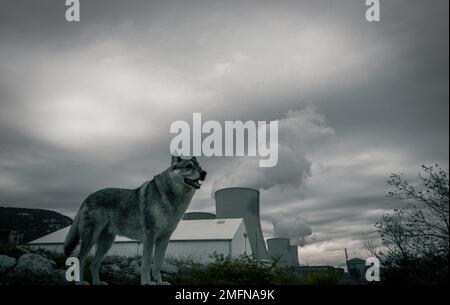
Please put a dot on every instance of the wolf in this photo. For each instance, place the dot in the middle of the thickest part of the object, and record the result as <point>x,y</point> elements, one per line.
<point>149,213</point>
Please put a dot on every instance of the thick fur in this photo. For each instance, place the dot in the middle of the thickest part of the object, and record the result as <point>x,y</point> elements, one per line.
<point>149,214</point>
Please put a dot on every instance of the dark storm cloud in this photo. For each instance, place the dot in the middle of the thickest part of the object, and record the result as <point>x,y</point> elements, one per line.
<point>89,105</point>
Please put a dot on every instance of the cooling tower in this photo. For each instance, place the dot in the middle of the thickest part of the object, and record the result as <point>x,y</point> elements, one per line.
<point>294,256</point>
<point>280,248</point>
<point>198,215</point>
<point>241,202</point>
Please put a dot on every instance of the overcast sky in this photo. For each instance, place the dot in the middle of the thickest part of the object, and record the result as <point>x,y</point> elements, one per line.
<point>88,105</point>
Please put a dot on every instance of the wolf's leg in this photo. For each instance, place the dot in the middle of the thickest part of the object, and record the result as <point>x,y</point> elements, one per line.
<point>104,243</point>
<point>149,241</point>
<point>85,248</point>
<point>89,235</point>
<point>160,250</point>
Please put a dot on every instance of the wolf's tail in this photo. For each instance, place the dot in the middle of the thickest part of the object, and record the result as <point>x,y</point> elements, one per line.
<point>73,236</point>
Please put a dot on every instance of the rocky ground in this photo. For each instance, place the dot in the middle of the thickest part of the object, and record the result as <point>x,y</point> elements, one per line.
<point>23,268</point>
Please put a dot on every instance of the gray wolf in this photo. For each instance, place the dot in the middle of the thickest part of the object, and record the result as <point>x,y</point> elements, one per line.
<point>149,213</point>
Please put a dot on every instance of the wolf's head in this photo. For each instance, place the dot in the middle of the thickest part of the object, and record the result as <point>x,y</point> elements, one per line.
<point>187,172</point>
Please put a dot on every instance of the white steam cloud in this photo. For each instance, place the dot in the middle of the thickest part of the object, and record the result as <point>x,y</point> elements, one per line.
<point>300,132</point>
<point>294,228</point>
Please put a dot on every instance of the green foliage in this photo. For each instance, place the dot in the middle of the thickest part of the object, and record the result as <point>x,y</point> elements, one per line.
<point>224,270</point>
<point>322,278</point>
<point>416,271</point>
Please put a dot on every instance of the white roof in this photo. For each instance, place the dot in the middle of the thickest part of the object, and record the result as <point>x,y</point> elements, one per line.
<point>198,229</point>
<point>201,229</point>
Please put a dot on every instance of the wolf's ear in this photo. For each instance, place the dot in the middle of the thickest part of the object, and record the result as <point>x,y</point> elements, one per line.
<point>175,159</point>
<point>194,159</point>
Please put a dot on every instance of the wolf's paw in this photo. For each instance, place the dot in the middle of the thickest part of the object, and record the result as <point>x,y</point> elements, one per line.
<point>148,283</point>
<point>82,283</point>
<point>164,283</point>
<point>100,283</point>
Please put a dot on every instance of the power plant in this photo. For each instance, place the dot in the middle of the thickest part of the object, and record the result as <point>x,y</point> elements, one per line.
<point>293,250</point>
<point>235,229</point>
<point>281,249</point>
<point>243,202</point>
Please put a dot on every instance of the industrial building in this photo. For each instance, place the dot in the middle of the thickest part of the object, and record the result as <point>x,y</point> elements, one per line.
<point>234,230</point>
<point>356,268</point>
<point>196,239</point>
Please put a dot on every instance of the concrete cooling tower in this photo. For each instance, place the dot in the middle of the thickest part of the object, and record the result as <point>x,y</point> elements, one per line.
<point>294,256</point>
<point>280,248</point>
<point>241,202</point>
<point>198,215</point>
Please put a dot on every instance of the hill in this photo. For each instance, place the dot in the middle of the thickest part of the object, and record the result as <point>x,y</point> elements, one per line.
<point>20,225</point>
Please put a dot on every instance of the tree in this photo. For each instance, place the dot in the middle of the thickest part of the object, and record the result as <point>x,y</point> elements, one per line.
<point>427,214</point>
<point>415,239</point>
